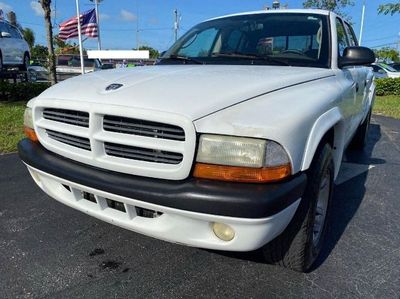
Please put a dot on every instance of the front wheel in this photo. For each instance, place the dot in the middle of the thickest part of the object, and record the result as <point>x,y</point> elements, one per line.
<point>26,63</point>
<point>299,245</point>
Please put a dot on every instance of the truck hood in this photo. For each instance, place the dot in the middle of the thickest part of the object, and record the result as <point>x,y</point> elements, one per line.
<point>189,90</point>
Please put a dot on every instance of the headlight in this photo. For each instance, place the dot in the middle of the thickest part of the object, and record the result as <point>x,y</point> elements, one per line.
<point>28,119</point>
<point>28,125</point>
<point>233,151</point>
<point>241,159</point>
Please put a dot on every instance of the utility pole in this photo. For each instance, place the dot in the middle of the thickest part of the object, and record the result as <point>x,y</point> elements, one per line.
<point>78,17</point>
<point>362,23</point>
<point>137,26</point>
<point>176,25</point>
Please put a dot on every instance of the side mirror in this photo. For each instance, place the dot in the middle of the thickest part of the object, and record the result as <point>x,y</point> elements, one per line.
<point>5,34</point>
<point>356,56</point>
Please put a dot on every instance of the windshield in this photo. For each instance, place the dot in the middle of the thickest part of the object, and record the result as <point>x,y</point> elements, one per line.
<point>266,38</point>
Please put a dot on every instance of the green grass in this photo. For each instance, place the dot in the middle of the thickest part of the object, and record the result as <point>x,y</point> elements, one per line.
<point>388,106</point>
<point>11,125</point>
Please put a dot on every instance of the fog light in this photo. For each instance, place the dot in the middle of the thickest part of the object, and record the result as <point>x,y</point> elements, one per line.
<point>223,231</point>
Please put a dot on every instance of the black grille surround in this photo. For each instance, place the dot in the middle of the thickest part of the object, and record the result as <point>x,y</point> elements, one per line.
<point>142,154</point>
<point>144,128</point>
<point>79,142</point>
<point>71,117</point>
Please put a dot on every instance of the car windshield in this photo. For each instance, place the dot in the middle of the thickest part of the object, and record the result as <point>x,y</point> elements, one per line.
<point>265,38</point>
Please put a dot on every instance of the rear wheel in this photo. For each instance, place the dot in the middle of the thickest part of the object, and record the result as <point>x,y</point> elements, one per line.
<point>299,245</point>
<point>26,63</point>
<point>1,63</point>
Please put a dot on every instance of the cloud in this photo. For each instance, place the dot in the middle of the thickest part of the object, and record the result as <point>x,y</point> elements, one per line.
<point>104,17</point>
<point>127,16</point>
<point>37,8</point>
<point>5,7</point>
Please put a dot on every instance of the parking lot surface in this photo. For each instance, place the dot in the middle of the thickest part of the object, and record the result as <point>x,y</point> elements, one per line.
<point>49,250</point>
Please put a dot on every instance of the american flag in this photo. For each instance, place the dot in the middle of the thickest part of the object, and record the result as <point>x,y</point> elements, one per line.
<point>69,28</point>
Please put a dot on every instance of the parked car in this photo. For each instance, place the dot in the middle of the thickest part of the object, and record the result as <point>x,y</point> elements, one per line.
<point>382,70</point>
<point>232,142</point>
<point>71,64</point>
<point>396,66</point>
<point>14,50</point>
<point>38,73</point>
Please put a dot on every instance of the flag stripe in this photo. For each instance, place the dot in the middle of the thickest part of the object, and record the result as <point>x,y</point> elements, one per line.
<point>69,28</point>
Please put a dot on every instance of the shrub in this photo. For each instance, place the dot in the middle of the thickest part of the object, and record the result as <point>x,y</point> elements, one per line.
<point>388,86</point>
<point>23,91</point>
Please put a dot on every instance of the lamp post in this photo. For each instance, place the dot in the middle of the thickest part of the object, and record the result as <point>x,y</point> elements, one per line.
<point>96,7</point>
<point>362,23</point>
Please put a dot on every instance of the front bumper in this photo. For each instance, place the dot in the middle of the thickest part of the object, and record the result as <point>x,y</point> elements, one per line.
<point>257,213</point>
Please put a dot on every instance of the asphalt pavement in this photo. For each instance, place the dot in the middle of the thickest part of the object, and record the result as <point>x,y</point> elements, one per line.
<point>48,250</point>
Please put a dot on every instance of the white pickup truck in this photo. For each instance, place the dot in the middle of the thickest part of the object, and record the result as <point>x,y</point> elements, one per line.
<point>232,142</point>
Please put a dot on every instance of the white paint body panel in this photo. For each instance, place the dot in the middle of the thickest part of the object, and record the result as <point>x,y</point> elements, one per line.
<point>177,226</point>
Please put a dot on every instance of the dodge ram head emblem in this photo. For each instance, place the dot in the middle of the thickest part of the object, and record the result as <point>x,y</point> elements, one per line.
<point>113,86</point>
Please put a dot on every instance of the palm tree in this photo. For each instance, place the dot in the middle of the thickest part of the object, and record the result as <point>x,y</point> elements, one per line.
<point>389,8</point>
<point>46,5</point>
<point>29,36</point>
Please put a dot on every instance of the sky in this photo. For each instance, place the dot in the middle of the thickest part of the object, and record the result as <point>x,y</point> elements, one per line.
<point>119,19</point>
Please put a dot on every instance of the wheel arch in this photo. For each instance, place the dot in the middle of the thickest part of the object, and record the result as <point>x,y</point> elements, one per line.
<point>329,128</point>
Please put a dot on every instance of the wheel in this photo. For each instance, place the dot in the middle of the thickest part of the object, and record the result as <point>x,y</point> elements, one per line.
<point>299,245</point>
<point>359,140</point>
<point>26,63</point>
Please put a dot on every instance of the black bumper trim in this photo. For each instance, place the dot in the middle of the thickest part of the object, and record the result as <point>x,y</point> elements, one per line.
<point>196,195</point>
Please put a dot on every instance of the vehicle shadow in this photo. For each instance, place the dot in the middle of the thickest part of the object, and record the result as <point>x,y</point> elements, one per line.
<point>347,199</point>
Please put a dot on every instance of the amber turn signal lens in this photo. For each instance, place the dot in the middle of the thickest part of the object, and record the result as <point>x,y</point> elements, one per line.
<point>241,174</point>
<point>31,134</point>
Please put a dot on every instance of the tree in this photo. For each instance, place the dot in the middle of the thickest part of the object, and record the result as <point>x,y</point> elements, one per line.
<point>62,47</point>
<point>29,36</point>
<point>46,5</point>
<point>387,54</point>
<point>154,54</point>
<point>39,52</point>
<point>389,8</point>
<point>333,5</point>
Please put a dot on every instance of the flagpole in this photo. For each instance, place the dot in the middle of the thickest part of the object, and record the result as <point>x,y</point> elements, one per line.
<point>78,15</point>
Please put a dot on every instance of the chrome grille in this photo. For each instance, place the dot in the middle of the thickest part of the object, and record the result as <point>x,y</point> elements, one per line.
<point>72,117</point>
<point>145,128</point>
<point>82,143</point>
<point>142,154</point>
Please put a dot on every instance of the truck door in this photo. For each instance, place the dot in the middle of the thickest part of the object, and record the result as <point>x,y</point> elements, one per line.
<point>363,81</point>
<point>352,85</point>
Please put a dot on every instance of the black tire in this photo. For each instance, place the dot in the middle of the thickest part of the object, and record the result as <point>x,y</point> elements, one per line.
<point>295,248</point>
<point>1,63</point>
<point>360,138</point>
<point>24,66</point>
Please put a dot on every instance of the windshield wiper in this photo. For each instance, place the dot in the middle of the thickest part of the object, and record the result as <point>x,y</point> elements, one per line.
<point>251,57</point>
<point>184,59</point>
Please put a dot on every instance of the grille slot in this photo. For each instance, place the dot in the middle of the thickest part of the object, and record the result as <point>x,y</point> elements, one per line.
<point>71,117</point>
<point>142,154</point>
<point>80,142</point>
<point>145,128</point>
